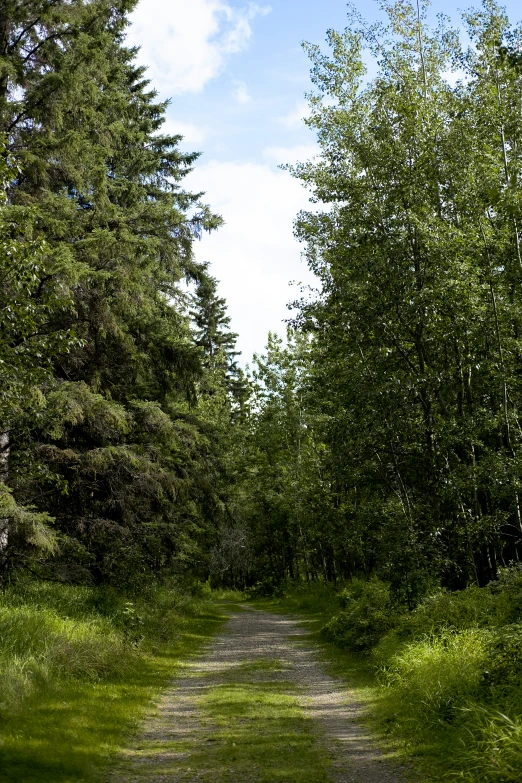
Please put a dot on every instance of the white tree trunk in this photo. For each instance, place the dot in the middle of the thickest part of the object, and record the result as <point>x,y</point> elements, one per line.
<point>4,475</point>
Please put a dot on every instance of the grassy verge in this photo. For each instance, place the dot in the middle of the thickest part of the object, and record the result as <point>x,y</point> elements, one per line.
<point>78,669</point>
<point>442,685</point>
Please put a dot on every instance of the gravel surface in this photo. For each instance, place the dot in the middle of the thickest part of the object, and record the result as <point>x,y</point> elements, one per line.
<point>162,753</point>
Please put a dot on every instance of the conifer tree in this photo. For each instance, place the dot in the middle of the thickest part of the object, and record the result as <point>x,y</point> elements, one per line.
<point>123,460</point>
<point>211,322</point>
<point>27,344</point>
<point>218,343</point>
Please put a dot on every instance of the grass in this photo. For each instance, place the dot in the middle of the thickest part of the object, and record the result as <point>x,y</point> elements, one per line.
<point>443,687</point>
<point>247,725</point>
<point>316,605</point>
<point>261,733</point>
<point>78,669</point>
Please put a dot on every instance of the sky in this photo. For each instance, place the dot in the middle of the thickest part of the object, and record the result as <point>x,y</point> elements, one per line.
<point>236,75</point>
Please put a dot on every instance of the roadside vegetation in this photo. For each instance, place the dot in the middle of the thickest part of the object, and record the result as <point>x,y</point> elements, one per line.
<point>442,683</point>
<point>79,666</point>
<point>379,448</point>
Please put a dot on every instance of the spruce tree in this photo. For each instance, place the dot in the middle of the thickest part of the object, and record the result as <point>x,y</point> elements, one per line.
<point>123,460</point>
<point>211,322</point>
<point>28,342</point>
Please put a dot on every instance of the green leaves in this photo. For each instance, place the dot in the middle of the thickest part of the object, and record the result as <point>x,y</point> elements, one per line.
<point>412,385</point>
<point>100,365</point>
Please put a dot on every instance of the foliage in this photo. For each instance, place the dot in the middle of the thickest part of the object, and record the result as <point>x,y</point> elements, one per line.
<point>70,667</point>
<point>53,632</point>
<point>437,676</point>
<point>117,445</point>
<point>504,657</point>
<point>365,618</point>
<point>385,436</point>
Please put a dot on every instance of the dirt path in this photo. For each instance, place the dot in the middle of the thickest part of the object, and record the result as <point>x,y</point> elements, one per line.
<point>257,707</point>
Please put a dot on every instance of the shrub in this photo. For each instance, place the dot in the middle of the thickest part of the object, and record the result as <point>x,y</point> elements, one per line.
<point>503,662</point>
<point>387,649</point>
<point>471,608</point>
<point>270,587</point>
<point>507,593</point>
<point>366,616</point>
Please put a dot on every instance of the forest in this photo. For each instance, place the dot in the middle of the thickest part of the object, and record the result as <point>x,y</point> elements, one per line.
<point>365,471</point>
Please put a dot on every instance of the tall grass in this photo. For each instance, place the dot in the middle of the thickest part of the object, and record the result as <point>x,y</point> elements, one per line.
<point>447,676</point>
<point>79,665</point>
<point>40,642</point>
<point>434,678</point>
<point>493,753</point>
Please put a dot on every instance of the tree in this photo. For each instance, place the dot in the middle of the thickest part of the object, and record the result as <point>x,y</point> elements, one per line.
<point>412,387</point>
<point>29,300</point>
<point>124,462</point>
<point>211,322</point>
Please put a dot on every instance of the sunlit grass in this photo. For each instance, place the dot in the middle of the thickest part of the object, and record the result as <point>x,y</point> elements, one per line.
<point>425,687</point>
<point>246,725</point>
<point>261,731</point>
<point>83,681</point>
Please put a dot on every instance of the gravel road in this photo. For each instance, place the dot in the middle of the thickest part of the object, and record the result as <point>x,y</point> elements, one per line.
<point>180,728</point>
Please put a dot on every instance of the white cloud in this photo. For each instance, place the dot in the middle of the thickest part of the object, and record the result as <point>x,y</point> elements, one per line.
<point>298,154</point>
<point>240,93</point>
<point>294,118</point>
<point>192,134</point>
<point>454,76</point>
<point>254,254</point>
<point>186,44</point>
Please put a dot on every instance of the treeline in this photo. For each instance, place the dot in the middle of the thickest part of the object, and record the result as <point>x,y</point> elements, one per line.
<point>386,437</point>
<point>116,385</point>
<point>383,438</point>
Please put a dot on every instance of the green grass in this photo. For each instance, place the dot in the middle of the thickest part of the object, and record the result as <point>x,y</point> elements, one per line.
<point>86,664</point>
<point>80,667</point>
<point>261,733</point>
<point>442,689</point>
<point>248,726</point>
<point>313,606</point>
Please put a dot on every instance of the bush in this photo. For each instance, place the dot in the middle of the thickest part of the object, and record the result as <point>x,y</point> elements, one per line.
<point>366,616</point>
<point>471,608</point>
<point>507,593</point>
<point>503,663</point>
<point>271,587</point>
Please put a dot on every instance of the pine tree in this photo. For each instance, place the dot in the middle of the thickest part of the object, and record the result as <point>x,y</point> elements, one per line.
<point>123,461</point>
<point>211,322</point>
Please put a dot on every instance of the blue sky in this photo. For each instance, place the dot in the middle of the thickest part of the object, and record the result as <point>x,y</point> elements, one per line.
<point>236,75</point>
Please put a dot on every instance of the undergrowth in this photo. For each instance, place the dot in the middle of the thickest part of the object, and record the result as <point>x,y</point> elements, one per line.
<point>443,682</point>
<point>78,667</point>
